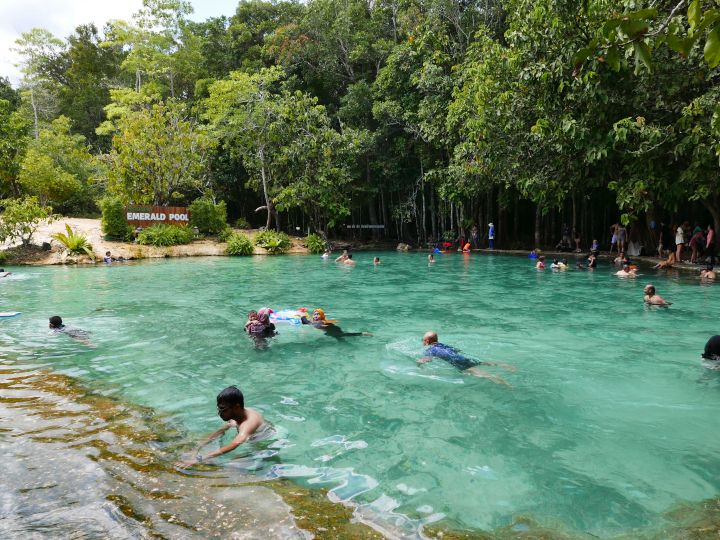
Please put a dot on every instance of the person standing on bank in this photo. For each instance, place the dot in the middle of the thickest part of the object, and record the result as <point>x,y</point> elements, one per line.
<point>491,235</point>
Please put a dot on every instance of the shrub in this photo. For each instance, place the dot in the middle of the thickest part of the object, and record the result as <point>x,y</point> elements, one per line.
<point>315,243</point>
<point>74,242</point>
<point>239,244</point>
<point>207,216</point>
<point>225,234</point>
<point>242,223</point>
<point>165,235</point>
<point>4,257</point>
<point>272,241</point>
<point>20,219</point>
<point>114,224</point>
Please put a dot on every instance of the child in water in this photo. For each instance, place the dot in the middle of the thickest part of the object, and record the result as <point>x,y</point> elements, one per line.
<point>231,408</point>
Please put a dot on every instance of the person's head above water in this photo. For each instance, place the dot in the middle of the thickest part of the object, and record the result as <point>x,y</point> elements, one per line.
<point>709,268</point>
<point>252,316</point>
<point>263,315</point>
<point>430,337</point>
<point>649,289</point>
<point>56,322</point>
<point>230,403</point>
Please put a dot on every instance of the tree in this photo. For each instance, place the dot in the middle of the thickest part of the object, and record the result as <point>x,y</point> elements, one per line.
<point>14,136</point>
<point>58,168</point>
<point>159,155</point>
<point>20,218</point>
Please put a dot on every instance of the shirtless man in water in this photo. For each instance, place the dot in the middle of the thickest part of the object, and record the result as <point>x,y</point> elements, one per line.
<point>455,358</point>
<point>231,408</point>
<point>652,298</point>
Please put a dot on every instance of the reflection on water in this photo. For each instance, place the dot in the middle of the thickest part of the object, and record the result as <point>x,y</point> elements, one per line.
<point>75,466</point>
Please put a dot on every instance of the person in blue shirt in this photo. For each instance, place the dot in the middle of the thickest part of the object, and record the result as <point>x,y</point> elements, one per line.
<point>491,235</point>
<point>455,358</point>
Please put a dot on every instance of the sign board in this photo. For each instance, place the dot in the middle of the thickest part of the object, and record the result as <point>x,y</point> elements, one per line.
<point>144,216</point>
<point>366,226</point>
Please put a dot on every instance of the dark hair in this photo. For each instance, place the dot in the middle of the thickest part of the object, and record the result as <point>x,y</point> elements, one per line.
<point>56,321</point>
<point>709,267</point>
<point>349,255</point>
<point>232,396</point>
<point>650,289</point>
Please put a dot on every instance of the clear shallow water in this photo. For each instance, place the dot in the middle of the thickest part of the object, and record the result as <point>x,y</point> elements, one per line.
<point>610,422</point>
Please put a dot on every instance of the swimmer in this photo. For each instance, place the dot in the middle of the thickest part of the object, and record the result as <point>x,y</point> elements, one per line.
<point>231,408</point>
<point>592,261</point>
<point>342,257</point>
<point>712,349</point>
<point>563,264</point>
<point>259,325</point>
<point>626,272</point>
<point>706,275</point>
<point>3,273</point>
<point>431,258</point>
<point>540,265</point>
<point>652,298</point>
<point>108,258</point>
<point>555,265</point>
<point>326,254</point>
<point>456,359</point>
<point>376,261</point>
<point>57,327</point>
<point>348,261</point>
<point>328,326</point>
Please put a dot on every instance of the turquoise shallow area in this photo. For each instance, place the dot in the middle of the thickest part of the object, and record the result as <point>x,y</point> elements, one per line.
<point>610,421</point>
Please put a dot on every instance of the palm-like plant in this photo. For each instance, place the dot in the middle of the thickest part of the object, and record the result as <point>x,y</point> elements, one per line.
<point>74,242</point>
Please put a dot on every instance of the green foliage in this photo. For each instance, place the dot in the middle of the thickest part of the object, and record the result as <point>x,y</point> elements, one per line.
<point>207,216</point>
<point>58,168</point>
<point>272,241</point>
<point>4,256</point>
<point>114,223</point>
<point>315,243</point>
<point>242,223</point>
<point>74,242</point>
<point>159,154</point>
<point>225,234</point>
<point>239,244</point>
<point>165,235</point>
<point>20,218</point>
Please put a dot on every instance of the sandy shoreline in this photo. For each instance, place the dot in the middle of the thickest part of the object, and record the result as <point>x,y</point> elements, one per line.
<point>128,250</point>
<point>209,247</point>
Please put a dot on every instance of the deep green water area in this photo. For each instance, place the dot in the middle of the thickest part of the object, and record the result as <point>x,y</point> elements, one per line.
<point>610,420</point>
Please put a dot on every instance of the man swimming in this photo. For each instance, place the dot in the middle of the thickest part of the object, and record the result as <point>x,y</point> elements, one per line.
<point>652,298</point>
<point>455,358</point>
<point>57,327</point>
<point>231,408</point>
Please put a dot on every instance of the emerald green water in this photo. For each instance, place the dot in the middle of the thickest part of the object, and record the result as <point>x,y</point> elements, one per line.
<point>610,420</point>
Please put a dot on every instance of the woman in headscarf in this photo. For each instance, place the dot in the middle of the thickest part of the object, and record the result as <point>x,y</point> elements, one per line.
<point>331,329</point>
<point>259,328</point>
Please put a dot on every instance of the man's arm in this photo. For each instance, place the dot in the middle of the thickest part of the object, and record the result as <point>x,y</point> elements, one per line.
<point>424,360</point>
<point>247,428</point>
<point>214,435</point>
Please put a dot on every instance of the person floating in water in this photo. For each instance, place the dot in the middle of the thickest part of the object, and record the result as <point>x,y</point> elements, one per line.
<point>712,349</point>
<point>57,327</point>
<point>431,258</point>
<point>259,327</point>
<point>3,273</point>
<point>626,272</point>
<point>540,264</point>
<point>706,275</point>
<point>249,424</point>
<point>331,329</point>
<point>376,261</point>
<point>343,256</point>
<point>348,261</point>
<point>455,358</point>
<point>653,298</point>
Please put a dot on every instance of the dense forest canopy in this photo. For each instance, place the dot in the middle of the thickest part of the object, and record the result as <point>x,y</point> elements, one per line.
<point>425,116</point>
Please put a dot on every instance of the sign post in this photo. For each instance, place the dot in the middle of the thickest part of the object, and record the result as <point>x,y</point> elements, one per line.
<point>145,216</point>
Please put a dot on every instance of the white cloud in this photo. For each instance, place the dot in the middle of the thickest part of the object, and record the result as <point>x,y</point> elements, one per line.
<point>61,17</point>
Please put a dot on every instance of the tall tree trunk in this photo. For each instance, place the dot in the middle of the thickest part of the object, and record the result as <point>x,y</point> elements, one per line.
<point>433,217</point>
<point>36,126</point>
<point>574,213</point>
<point>268,204</point>
<point>538,215</point>
<point>713,205</point>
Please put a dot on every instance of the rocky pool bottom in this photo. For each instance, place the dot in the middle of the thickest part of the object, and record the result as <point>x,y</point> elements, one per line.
<point>77,464</point>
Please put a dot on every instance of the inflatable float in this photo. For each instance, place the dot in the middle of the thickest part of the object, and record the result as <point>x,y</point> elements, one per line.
<point>8,314</point>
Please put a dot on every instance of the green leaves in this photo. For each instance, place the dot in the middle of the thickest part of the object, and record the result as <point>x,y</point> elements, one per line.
<point>694,14</point>
<point>642,56</point>
<point>712,47</point>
